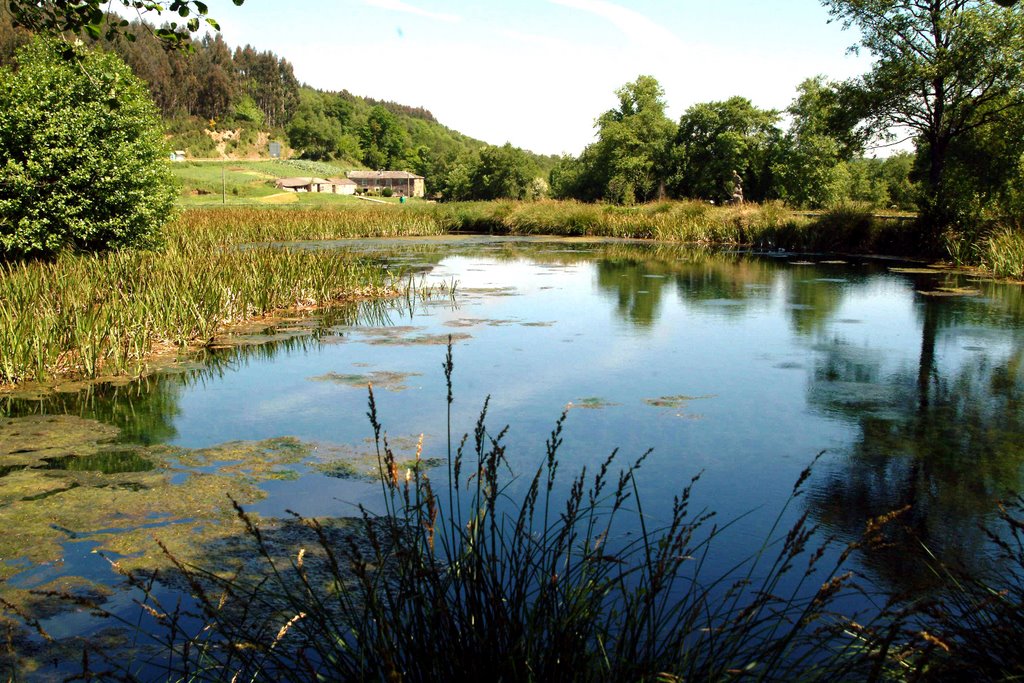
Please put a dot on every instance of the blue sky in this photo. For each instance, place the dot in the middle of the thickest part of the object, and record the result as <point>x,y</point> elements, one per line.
<point>537,73</point>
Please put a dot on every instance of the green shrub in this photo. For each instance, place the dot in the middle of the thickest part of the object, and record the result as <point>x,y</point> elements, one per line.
<point>85,162</point>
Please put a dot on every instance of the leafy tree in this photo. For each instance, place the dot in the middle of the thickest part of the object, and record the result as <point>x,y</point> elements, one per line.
<point>312,130</point>
<point>578,177</point>
<point>822,135</point>
<point>717,138</point>
<point>944,70</point>
<point>383,141</point>
<point>84,160</point>
<point>90,17</point>
<point>633,143</point>
<point>504,172</point>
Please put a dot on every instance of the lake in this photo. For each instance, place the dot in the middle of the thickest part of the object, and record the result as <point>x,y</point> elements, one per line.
<point>743,367</point>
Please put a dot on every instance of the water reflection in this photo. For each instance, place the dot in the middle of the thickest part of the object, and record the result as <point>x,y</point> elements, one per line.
<point>943,438</point>
<point>145,410</point>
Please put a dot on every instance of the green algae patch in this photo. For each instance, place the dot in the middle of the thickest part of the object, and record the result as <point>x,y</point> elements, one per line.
<point>675,402</point>
<point>359,461</point>
<point>679,403</point>
<point>390,381</point>
<point>252,460</point>
<point>32,438</point>
<point>919,271</point>
<point>110,462</point>
<point>418,340</point>
<point>491,291</point>
<point>592,403</point>
<point>950,292</point>
<point>390,336</point>
<point>66,481</point>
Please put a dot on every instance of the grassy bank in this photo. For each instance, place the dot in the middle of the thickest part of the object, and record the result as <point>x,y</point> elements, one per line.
<point>86,315</point>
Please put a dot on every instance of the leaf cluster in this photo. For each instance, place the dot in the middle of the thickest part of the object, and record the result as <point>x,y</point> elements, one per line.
<point>85,163</point>
<point>91,18</point>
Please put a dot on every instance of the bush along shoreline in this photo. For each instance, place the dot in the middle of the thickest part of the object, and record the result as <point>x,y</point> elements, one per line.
<point>480,578</point>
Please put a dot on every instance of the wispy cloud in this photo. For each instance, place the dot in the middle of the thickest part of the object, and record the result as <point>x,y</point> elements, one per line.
<point>400,6</point>
<point>638,28</point>
<point>535,39</point>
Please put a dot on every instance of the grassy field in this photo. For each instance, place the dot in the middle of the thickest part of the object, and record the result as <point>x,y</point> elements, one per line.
<point>251,183</point>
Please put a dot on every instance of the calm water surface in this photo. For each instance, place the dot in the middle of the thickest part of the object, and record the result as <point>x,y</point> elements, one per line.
<point>743,367</point>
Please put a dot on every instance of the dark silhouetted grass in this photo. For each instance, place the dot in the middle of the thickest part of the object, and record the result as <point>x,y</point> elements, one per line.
<point>488,577</point>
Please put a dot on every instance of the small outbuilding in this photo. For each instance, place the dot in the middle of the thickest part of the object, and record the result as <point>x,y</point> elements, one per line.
<point>331,185</point>
<point>342,186</point>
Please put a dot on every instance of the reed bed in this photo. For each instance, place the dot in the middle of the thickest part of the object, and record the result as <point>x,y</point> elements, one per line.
<point>763,226</point>
<point>1002,253</point>
<point>234,225</point>
<point>85,315</point>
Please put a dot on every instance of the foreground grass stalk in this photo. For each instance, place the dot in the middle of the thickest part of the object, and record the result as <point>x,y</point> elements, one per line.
<point>584,585</point>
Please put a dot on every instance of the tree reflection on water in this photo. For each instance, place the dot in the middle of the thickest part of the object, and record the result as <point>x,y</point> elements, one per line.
<point>944,442</point>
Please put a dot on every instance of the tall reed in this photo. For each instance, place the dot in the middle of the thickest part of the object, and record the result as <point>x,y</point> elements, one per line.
<point>1002,252</point>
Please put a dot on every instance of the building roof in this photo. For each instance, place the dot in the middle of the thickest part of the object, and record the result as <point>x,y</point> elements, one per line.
<point>300,182</point>
<point>341,181</point>
<point>384,175</point>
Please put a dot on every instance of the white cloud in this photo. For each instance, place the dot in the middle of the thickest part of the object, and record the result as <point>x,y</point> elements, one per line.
<point>546,42</point>
<point>639,28</point>
<point>399,6</point>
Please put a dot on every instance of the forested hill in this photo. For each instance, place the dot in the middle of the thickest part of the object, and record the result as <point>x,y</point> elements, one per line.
<point>222,101</point>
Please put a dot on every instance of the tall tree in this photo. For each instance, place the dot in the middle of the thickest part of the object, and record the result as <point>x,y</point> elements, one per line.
<point>504,172</point>
<point>270,81</point>
<point>717,138</point>
<point>944,69</point>
<point>633,143</point>
<point>823,134</point>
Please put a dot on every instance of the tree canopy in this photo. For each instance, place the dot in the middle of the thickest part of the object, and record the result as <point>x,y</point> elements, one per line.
<point>91,17</point>
<point>717,138</point>
<point>944,70</point>
<point>85,164</point>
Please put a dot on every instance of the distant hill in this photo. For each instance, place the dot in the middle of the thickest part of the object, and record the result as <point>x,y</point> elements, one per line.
<point>224,102</point>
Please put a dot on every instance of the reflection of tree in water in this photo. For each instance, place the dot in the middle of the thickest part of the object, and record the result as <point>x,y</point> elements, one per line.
<point>950,447</point>
<point>636,287</point>
<point>144,409</point>
<point>813,299</point>
<point>638,277</point>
